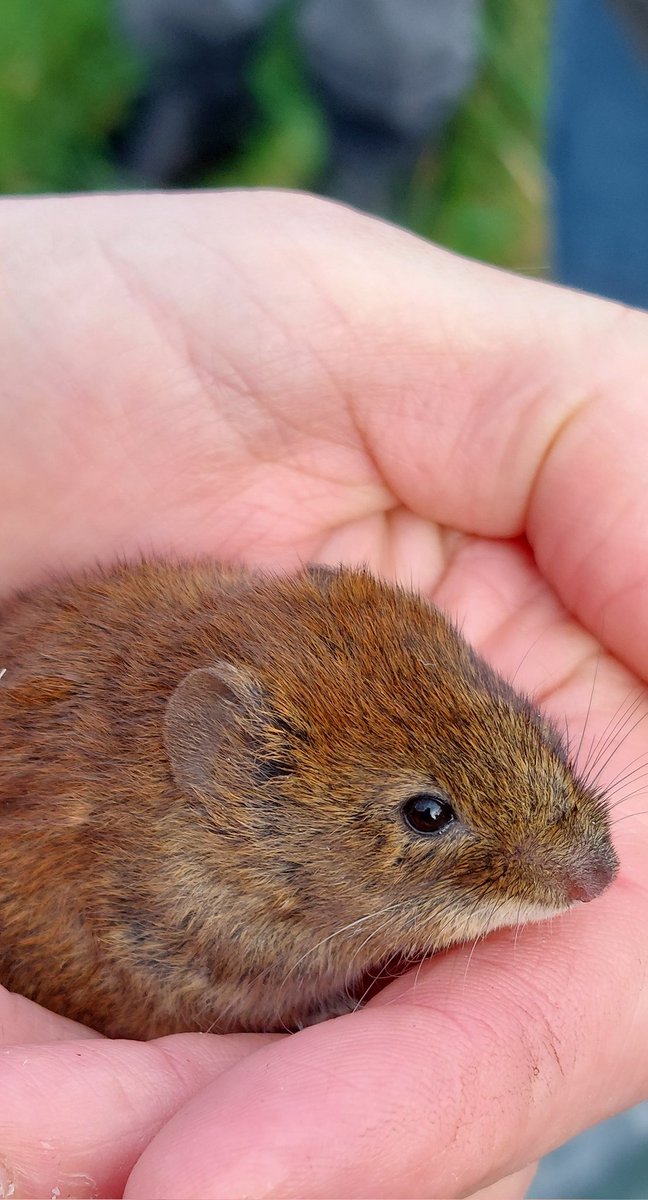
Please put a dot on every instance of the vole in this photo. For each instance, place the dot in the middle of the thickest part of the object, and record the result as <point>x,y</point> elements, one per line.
<point>227,798</point>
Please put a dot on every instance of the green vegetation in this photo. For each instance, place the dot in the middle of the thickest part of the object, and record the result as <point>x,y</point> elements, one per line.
<point>66,78</point>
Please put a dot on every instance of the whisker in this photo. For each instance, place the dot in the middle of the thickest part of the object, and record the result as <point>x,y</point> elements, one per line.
<point>369,986</point>
<point>480,937</point>
<point>475,942</point>
<point>363,944</point>
<point>617,736</point>
<point>621,715</point>
<point>623,799</point>
<point>522,661</point>
<point>589,709</point>
<point>517,927</point>
<point>568,739</point>
<point>632,773</point>
<point>602,766</point>
<point>625,817</point>
<point>628,796</point>
<point>344,929</point>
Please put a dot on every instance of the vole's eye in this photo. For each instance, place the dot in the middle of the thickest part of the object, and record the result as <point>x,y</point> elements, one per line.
<point>428,812</point>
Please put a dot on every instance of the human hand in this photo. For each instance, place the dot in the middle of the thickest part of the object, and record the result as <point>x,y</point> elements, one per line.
<point>270,378</point>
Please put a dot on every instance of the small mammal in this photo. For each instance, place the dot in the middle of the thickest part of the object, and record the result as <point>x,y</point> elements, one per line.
<point>227,798</point>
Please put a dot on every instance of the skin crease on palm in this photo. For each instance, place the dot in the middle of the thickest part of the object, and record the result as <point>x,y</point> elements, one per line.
<point>271,378</point>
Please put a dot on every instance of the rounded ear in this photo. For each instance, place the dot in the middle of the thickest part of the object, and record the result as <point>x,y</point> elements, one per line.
<point>201,715</point>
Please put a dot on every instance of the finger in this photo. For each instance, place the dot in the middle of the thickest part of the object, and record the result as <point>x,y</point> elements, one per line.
<point>146,419</point>
<point>22,1021</point>
<point>438,1090</point>
<point>110,1099</point>
<point>287,368</point>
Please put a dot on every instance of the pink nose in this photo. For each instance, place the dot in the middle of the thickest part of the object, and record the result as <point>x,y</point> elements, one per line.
<point>588,882</point>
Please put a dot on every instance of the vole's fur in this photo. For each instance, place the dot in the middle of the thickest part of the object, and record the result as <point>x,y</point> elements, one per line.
<point>179,851</point>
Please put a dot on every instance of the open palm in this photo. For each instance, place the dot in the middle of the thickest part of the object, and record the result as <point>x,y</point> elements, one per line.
<point>273,379</point>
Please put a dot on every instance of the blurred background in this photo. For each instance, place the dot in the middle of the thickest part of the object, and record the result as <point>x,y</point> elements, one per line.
<point>69,74</point>
<point>513,131</point>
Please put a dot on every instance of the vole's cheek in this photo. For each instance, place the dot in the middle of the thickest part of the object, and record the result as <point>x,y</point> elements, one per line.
<point>470,913</point>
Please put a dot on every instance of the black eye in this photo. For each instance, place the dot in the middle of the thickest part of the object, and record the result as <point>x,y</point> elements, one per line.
<point>428,813</point>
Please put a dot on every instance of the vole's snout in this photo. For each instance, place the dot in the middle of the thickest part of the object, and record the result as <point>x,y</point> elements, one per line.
<point>590,878</point>
<point>576,874</point>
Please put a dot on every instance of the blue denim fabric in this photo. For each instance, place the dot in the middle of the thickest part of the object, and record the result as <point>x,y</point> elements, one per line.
<point>598,153</point>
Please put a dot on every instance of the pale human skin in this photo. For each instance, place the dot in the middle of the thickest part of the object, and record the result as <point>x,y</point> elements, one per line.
<point>270,378</point>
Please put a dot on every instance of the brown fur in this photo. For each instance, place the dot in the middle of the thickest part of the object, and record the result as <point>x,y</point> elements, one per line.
<point>142,905</point>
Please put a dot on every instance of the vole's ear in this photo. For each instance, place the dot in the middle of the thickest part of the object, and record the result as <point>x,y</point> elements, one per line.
<point>209,708</point>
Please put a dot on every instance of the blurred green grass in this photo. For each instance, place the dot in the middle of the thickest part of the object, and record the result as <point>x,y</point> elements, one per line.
<point>66,78</point>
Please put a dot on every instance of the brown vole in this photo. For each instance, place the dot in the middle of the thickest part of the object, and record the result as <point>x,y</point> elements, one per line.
<point>226,798</point>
